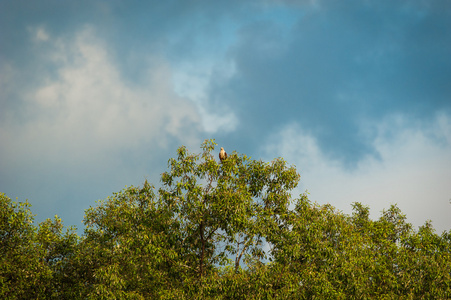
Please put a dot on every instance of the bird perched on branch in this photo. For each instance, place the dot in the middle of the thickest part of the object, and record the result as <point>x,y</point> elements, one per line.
<point>222,154</point>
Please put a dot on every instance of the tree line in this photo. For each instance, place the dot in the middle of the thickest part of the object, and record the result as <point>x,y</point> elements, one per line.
<point>221,230</point>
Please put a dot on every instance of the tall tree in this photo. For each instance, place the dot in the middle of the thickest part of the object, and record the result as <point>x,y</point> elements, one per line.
<point>206,215</point>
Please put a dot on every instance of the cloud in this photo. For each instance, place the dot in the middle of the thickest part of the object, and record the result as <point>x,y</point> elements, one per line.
<point>338,64</point>
<point>83,127</point>
<point>88,108</point>
<point>191,81</point>
<point>40,34</point>
<point>100,105</point>
<point>412,169</point>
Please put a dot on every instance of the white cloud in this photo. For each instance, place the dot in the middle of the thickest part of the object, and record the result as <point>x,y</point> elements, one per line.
<point>87,113</point>
<point>191,80</point>
<point>39,34</point>
<point>413,171</point>
<point>79,131</point>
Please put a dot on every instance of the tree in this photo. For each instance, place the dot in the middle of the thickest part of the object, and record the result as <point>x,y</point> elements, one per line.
<point>56,251</point>
<point>129,248</point>
<point>32,259</point>
<point>238,203</point>
<point>22,273</point>
<point>206,215</point>
<point>328,254</point>
<point>221,230</point>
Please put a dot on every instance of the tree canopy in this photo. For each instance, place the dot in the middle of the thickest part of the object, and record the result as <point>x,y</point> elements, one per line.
<point>225,229</point>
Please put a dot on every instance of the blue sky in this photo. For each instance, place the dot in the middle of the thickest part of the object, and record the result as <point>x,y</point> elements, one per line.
<point>98,95</point>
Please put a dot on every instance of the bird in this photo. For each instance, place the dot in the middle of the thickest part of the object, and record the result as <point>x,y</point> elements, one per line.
<point>222,154</point>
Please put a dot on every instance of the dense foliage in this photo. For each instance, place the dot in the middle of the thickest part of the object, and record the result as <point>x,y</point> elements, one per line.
<point>221,230</point>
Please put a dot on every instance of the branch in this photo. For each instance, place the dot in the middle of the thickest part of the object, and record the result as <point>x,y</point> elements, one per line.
<point>238,257</point>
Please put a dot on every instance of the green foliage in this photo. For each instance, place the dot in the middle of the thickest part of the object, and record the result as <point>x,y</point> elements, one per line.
<point>32,260</point>
<point>21,271</point>
<point>221,230</point>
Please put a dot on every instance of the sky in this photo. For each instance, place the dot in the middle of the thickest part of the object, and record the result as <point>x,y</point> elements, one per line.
<point>98,95</point>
